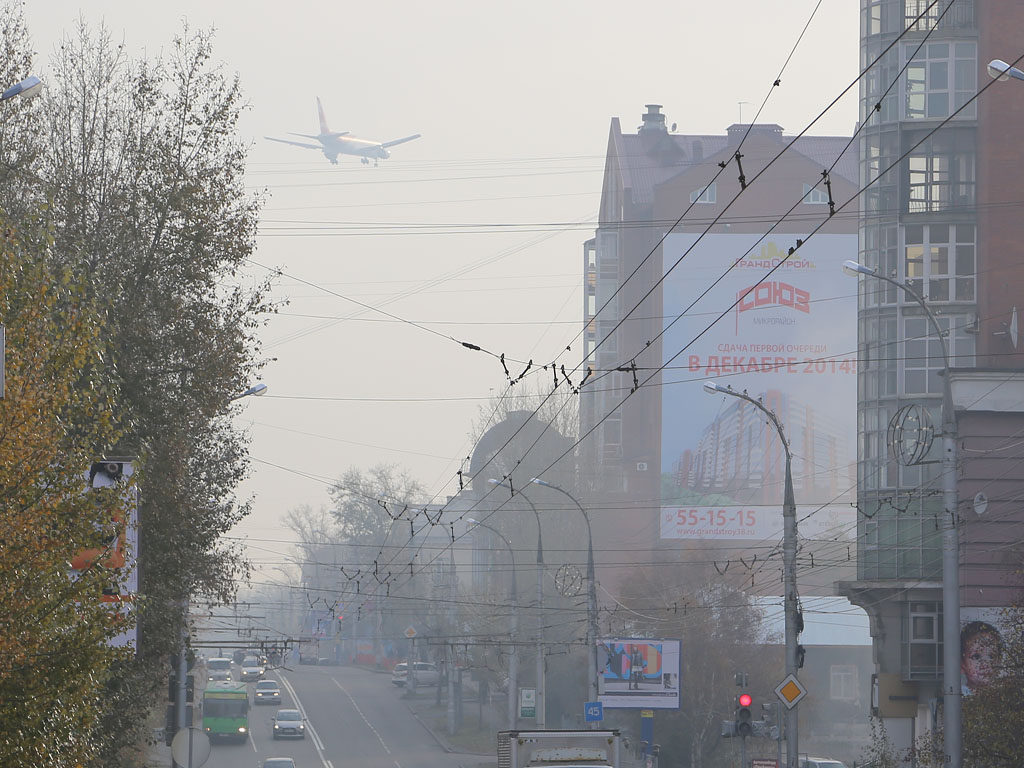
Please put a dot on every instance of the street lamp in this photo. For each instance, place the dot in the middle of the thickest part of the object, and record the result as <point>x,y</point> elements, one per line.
<point>27,88</point>
<point>952,723</point>
<point>256,390</point>
<point>513,662</point>
<point>540,709</point>
<point>30,87</point>
<point>591,591</point>
<point>1000,70</point>
<point>788,561</point>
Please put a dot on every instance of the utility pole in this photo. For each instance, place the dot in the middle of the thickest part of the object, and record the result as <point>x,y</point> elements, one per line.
<point>449,654</point>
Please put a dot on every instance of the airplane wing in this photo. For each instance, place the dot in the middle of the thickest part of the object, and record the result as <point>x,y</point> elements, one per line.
<point>387,144</point>
<point>294,143</point>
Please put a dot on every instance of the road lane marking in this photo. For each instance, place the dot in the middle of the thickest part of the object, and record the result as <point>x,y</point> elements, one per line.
<point>368,723</point>
<point>317,744</point>
<point>252,741</point>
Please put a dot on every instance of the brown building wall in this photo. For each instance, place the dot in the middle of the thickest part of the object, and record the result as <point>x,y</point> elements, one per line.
<point>1000,185</point>
<point>992,543</point>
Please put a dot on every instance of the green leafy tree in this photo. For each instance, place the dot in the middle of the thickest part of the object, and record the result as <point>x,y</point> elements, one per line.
<point>55,419</point>
<point>141,170</point>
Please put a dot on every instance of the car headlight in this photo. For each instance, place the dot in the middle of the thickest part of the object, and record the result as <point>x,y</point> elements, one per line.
<point>276,726</point>
<point>302,727</point>
<point>241,729</point>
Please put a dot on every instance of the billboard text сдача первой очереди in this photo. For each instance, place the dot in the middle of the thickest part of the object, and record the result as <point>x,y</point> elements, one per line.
<point>788,337</point>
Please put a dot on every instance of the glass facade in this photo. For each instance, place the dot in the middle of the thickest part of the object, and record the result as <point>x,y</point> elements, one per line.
<point>918,225</point>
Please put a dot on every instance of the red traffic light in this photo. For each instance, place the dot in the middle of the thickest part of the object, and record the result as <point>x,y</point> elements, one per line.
<point>745,700</point>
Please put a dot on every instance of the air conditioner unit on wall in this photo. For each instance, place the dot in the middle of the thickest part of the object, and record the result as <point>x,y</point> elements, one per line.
<point>641,466</point>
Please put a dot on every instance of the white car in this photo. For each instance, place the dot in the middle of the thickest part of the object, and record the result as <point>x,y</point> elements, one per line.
<point>426,673</point>
<point>268,692</point>
<point>820,762</point>
<point>251,669</point>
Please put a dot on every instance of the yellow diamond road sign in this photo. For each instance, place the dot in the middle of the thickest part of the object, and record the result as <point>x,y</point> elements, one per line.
<point>790,691</point>
<point>410,632</point>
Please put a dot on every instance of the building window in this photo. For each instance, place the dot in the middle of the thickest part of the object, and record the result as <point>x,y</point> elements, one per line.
<point>843,685</point>
<point>814,195</point>
<point>938,261</point>
<point>923,641</point>
<point>940,172</point>
<point>705,195</point>
<point>940,79</point>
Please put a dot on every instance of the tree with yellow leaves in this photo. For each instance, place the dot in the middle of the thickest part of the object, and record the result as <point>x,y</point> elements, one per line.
<point>54,420</point>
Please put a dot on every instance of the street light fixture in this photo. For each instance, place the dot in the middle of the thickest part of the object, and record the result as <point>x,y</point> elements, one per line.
<point>788,562</point>
<point>513,662</point>
<point>256,390</point>
<point>591,591</point>
<point>951,703</point>
<point>1000,70</point>
<point>27,88</point>
<point>541,705</point>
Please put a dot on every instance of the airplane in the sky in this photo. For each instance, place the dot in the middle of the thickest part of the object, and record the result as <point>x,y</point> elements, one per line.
<point>334,143</point>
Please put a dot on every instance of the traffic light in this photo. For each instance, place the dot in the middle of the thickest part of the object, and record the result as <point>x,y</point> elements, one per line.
<point>190,688</point>
<point>172,686</point>
<point>744,717</point>
<point>170,724</point>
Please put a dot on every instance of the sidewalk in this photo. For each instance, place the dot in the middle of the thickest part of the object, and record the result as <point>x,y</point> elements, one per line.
<point>480,724</point>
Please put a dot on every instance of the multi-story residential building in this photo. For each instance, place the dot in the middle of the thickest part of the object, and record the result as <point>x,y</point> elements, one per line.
<point>688,279</point>
<point>945,219</point>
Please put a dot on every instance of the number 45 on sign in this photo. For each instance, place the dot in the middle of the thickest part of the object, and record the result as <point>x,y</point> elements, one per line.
<point>593,711</point>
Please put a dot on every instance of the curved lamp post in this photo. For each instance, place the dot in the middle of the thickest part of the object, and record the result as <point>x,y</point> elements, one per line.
<point>256,390</point>
<point>591,592</point>
<point>952,724</point>
<point>541,712</point>
<point>788,562</point>
<point>30,90</point>
<point>513,662</point>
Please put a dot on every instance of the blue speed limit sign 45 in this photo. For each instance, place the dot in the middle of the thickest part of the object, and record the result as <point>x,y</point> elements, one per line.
<point>593,711</point>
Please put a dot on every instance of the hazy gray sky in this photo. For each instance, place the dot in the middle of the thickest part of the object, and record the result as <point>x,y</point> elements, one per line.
<point>478,225</point>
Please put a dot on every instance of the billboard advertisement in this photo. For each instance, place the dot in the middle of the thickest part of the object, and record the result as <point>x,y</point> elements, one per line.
<point>788,338</point>
<point>638,673</point>
<point>119,544</point>
<point>983,633</point>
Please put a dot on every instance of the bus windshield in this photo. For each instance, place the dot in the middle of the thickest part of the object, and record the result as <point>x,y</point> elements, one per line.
<point>219,664</point>
<point>225,707</point>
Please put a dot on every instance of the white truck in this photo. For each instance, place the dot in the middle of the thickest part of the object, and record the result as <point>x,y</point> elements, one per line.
<point>559,749</point>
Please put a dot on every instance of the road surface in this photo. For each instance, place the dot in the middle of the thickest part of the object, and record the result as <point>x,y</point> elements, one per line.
<point>354,718</point>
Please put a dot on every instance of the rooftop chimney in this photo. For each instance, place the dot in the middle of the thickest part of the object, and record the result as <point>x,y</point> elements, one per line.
<point>653,119</point>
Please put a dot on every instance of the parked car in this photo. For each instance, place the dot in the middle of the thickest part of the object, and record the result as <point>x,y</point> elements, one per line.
<point>289,723</point>
<point>268,692</point>
<point>251,669</point>
<point>426,673</point>
<point>278,762</point>
<point>820,762</point>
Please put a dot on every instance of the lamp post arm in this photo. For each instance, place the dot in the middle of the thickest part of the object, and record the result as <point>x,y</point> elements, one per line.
<point>948,415</point>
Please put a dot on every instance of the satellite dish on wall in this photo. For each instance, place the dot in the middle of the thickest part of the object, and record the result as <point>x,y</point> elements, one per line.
<point>980,503</point>
<point>1010,328</point>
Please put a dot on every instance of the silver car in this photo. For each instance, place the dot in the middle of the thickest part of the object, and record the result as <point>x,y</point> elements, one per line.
<point>289,723</point>
<point>267,692</point>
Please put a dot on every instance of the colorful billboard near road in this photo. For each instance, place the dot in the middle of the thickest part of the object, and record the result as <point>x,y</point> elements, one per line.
<point>787,336</point>
<point>638,673</point>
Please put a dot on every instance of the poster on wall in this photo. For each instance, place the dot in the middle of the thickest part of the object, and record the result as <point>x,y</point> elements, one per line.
<point>638,673</point>
<point>983,633</point>
<point>789,338</point>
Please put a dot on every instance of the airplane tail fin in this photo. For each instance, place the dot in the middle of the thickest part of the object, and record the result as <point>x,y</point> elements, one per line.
<point>323,120</point>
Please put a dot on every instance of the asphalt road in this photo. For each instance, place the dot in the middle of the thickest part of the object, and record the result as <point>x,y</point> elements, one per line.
<point>354,718</point>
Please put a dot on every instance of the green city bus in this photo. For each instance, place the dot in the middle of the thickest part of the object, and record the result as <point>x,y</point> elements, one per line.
<point>226,710</point>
